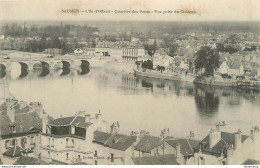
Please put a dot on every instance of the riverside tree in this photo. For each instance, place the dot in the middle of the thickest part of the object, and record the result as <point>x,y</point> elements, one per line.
<point>208,59</point>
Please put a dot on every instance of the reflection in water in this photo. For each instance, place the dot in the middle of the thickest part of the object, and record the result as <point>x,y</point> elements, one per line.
<point>126,97</point>
<point>65,71</point>
<point>24,70</point>
<point>146,84</point>
<point>2,71</point>
<point>84,68</point>
<point>206,101</point>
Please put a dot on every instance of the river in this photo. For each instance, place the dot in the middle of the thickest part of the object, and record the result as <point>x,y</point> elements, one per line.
<point>138,103</point>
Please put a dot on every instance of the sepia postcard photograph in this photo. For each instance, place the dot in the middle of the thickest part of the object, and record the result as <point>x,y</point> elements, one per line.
<point>129,82</point>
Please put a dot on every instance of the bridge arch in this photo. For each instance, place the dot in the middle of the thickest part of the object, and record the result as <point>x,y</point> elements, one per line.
<point>24,69</point>
<point>2,70</point>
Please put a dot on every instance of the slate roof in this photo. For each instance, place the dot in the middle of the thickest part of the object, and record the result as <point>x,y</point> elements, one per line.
<point>23,160</point>
<point>16,107</point>
<point>115,141</point>
<point>101,137</point>
<point>168,159</point>
<point>251,162</point>
<point>78,121</point>
<point>186,145</point>
<point>62,121</point>
<point>148,143</point>
<point>15,151</point>
<point>120,141</point>
<point>24,123</point>
<point>227,139</point>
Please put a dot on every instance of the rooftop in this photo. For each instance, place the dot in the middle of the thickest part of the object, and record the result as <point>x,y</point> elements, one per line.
<point>168,159</point>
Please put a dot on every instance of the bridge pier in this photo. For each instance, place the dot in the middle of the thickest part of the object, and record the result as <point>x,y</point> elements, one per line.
<point>51,65</point>
<point>30,66</point>
<point>8,66</point>
<point>72,64</point>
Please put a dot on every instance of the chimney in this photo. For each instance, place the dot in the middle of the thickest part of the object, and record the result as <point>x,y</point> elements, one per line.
<point>178,153</point>
<point>229,155</point>
<point>44,123</point>
<point>36,106</point>
<point>10,109</point>
<point>87,118</point>
<point>98,117</point>
<point>114,128</point>
<point>255,135</point>
<point>178,150</point>
<point>237,139</point>
<point>165,133</point>
<point>133,133</point>
<point>214,137</point>
<point>22,104</point>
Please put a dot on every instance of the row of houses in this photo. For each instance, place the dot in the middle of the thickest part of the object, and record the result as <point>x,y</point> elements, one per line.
<point>86,139</point>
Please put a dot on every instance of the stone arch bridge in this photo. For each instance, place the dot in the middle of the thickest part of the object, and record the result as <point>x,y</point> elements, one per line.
<point>29,63</point>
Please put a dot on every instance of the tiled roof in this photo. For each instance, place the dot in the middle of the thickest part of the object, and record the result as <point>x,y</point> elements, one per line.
<point>186,145</point>
<point>227,139</point>
<point>168,159</point>
<point>251,162</point>
<point>114,141</point>
<point>15,151</point>
<point>148,143</point>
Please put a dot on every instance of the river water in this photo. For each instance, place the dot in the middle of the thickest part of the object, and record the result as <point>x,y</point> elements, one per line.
<point>139,103</point>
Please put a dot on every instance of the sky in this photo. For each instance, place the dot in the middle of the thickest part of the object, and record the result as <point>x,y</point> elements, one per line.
<point>206,10</point>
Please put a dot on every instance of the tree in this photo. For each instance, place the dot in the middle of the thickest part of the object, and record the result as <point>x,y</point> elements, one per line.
<point>207,58</point>
<point>147,64</point>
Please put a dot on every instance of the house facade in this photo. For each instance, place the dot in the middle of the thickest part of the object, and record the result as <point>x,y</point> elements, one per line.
<point>17,136</point>
<point>223,148</point>
<point>69,139</point>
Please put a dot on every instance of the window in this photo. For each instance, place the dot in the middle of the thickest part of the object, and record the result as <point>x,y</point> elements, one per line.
<point>67,156</point>
<point>23,142</point>
<point>52,144</point>
<point>32,139</point>
<point>95,154</point>
<point>72,142</point>
<point>202,161</point>
<point>112,157</point>
<point>14,142</point>
<point>7,144</point>
<point>95,162</point>
<point>49,142</point>
<point>49,154</point>
<point>67,142</point>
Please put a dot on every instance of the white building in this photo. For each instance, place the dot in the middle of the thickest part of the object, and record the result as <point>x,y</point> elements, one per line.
<point>69,139</point>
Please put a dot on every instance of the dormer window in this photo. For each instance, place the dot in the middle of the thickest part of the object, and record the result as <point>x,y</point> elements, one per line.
<point>13,128</point>
<point>72,129</point>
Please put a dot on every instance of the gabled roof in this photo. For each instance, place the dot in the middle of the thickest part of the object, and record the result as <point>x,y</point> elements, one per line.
<point>186,145</point>
<point>168,159</point>
<point>114,141</point>
<point>120,141</point>
<point>24,123</point>
<point>101,137</point>
<point>148,143</point>
<point>77,121</point>
<point>62,121</point>
<point>227,139</point>
<point>15,151</point>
